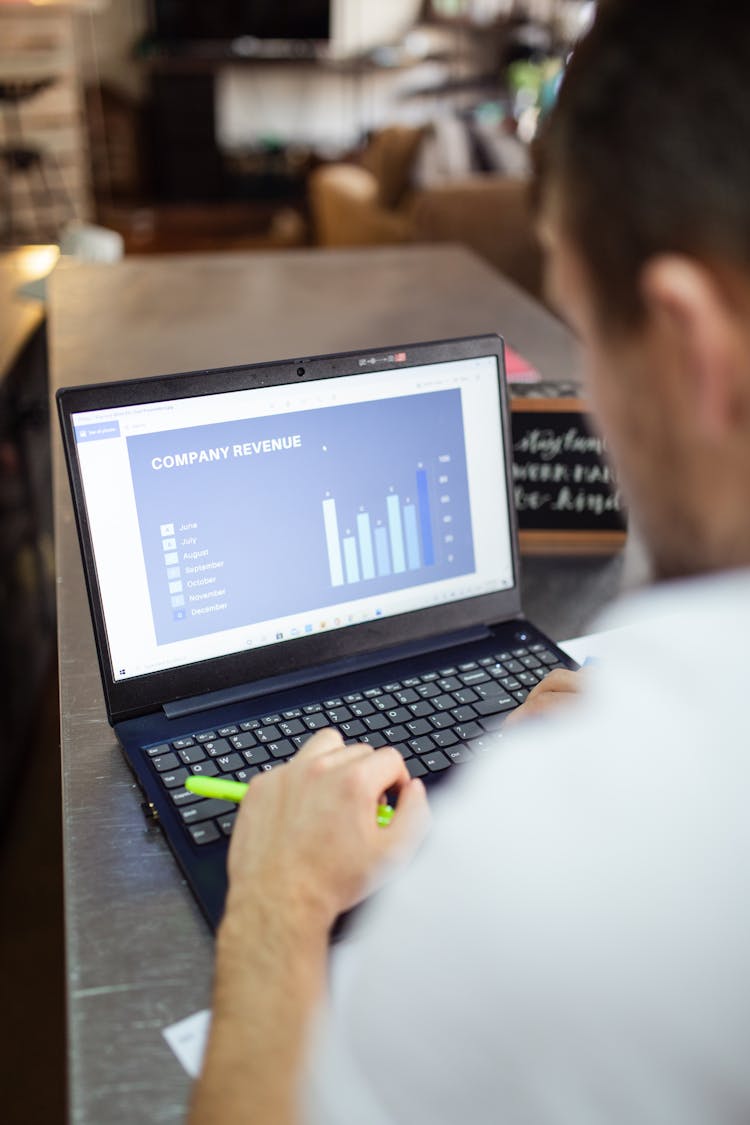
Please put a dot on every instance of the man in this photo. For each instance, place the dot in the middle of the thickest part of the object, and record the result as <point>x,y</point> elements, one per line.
<point>572,942</point>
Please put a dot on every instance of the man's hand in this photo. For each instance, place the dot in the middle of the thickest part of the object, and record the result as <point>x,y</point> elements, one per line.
<point>306,846</point>
<point>556,690</point>
<point>306,834</point>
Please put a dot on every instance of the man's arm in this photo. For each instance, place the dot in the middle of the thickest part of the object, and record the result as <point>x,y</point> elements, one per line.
<point>305,848</point>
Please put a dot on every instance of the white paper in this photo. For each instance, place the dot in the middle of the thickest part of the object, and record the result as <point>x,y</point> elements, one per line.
<point>188,1039</point>
<point>594,646</point>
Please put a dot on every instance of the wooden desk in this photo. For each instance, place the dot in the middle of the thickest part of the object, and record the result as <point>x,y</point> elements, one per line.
<point>139,954</point>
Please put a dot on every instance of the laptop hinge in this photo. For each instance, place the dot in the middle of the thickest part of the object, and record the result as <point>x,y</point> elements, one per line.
<point>211,699</point>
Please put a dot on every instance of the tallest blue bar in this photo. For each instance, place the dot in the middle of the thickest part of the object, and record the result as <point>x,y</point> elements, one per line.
<point>425,523</point>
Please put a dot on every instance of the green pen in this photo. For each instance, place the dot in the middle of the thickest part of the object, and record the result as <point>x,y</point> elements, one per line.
<point>226,790</point>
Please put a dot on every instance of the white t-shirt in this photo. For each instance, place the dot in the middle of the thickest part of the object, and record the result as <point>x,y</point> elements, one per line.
<point>572,945</point>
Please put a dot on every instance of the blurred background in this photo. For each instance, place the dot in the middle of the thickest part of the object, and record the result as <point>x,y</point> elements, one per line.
<point>184,126</point>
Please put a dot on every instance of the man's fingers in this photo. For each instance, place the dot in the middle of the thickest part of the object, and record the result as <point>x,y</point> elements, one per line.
<point>561,679</point>
<point>409,825</point>
<point>322,742</point>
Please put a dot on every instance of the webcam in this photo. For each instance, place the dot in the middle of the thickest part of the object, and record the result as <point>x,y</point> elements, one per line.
<point>300,371</point>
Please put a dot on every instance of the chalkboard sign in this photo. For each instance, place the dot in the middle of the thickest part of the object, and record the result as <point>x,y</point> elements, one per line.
<point>566,492</point>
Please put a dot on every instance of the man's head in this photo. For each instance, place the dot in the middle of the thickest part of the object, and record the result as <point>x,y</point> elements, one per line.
<point>643,185</point>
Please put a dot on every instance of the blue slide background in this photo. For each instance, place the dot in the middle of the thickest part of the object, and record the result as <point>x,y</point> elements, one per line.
<point>262,515</point>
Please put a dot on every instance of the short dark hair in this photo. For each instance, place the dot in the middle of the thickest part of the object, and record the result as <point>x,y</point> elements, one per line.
<point>649,143</point>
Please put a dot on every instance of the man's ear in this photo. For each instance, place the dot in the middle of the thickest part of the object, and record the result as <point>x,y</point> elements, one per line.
<point>697,327</point>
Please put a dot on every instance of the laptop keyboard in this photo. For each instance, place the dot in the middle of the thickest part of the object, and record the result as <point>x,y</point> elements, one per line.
<point>436,720</point>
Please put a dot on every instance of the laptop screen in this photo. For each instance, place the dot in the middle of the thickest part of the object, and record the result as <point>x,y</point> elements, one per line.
<point>242,519</point>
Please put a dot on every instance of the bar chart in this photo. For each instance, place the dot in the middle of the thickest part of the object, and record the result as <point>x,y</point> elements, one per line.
<point>393,536</point>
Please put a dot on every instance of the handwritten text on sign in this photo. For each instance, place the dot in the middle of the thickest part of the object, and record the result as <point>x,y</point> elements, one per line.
<point>561,477</point>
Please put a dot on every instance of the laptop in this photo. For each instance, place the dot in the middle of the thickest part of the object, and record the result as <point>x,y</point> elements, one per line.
<point>274,548</point>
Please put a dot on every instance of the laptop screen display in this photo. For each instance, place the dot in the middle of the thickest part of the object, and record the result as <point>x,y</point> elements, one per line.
<point>254,517</point>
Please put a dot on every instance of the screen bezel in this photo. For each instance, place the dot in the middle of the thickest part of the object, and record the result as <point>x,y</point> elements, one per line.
<point>143,694</point>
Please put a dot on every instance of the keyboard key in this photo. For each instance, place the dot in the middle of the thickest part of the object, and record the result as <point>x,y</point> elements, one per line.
<point>157,751</point>
<point>418,727</point>
<point>374,739</point>
<point>519,652</point>
<point>527,679</point>
<point>338,714</point>
<point>501,657</point>
<point>436,761</point>
<point>460,754</point>
<point>448,671</point>
<point>486,745</point>
<point>393,686</point>
<point>486,661</point>
<point>443,702</point>
<point>468,695</point>
<point>290,727</point>
<point>478,677</point>
<point>328,703</point>
<point>411,682</point>
<point>419,710</point>
<point>224,732</point>
<point>521,696</point>
<point>182,743</point>
<point>352,729</point>
<point>371,692</point>
<point>256,756</point>
<point>267,720</point>
<point>360,710</point>
<point>422,745</point>
<point>530,662</point>
<point>206,809</point>
<point>243,741</point>
<point>184,796</point>
<point>402,748</point>
<point>316,721</point>
<point>312,708</point>
<point>376,722</point>
<point>428,677</point>
<point>226,823</point>
<point>395,734</point>
<point>206,736</point>
<point>406,696</point>
<point>467,731</point>
<point>384,702</point>
<point>192,754</point>
<point>494,706</point>
<point>205,769</point>
<point>174,778</point>
<point>283,749</point>
<point>510,683</point>
<point>427,691</point>
<point>398,715</point>
<point>246,774</point>
<point>273,764</point>
<point>469,666</point>
<point>450,683</point>
<point>227,763</point>
<point>250,724</point>
<point>514,666</point>
<point>353,697</point>
<point>415,767</point>
<point>294,713</point>
<point>445,738</point>
<point>166,762</point>
<point>221,746</point>
<point>270,733</point>
<point>442,721</point>
<point>464,714</point>
<point>204,833</point>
